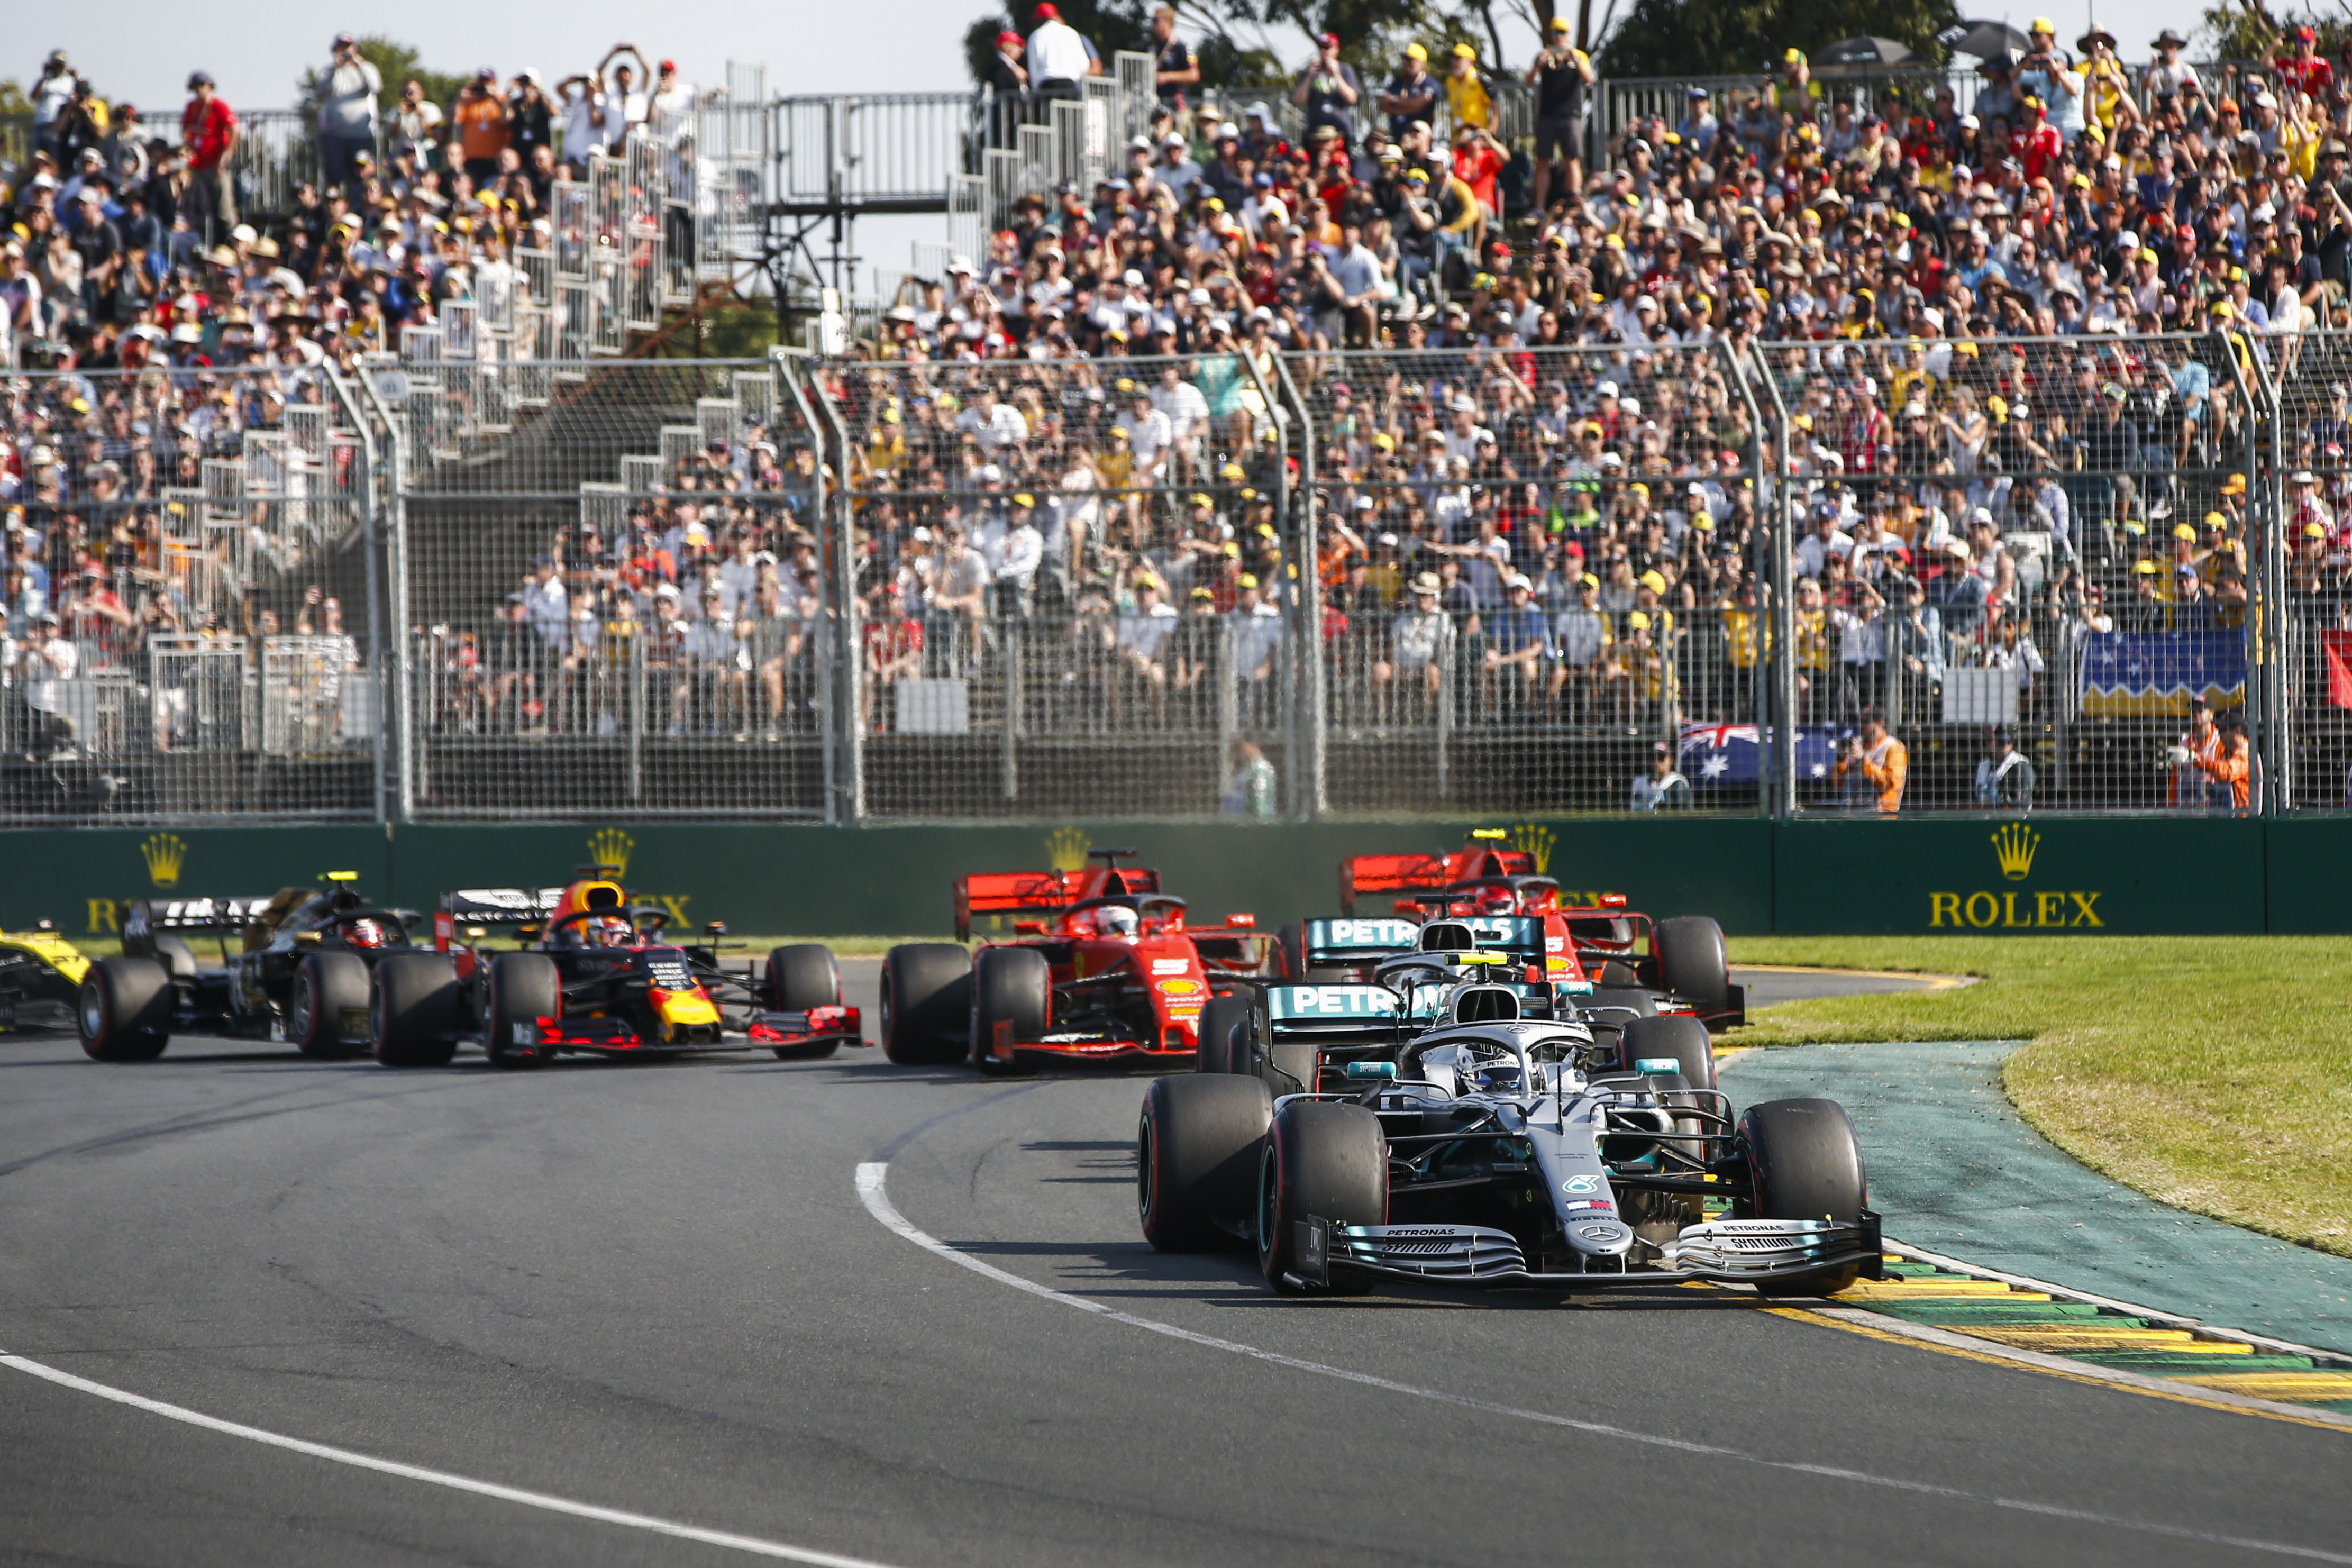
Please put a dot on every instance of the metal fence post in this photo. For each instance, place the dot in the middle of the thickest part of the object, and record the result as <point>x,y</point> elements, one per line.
<point>836,538</point>
<point>407,750</point>
<point>1777,524</point>
<point>1310,728</point>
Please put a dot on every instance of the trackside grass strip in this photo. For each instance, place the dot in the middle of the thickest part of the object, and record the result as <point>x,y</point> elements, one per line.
<point>2212,1073</point>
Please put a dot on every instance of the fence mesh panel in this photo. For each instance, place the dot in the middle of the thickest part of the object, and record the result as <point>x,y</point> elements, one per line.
<point>1071,584</point>
<point>190,621</point>
<point>2052,543</point>
<point>2308,461</point>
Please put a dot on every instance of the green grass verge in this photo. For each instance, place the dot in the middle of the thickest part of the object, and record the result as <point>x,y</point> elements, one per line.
<point>2213,1073</point>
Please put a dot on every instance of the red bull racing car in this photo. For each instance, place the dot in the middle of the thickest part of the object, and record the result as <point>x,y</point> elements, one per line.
<point>594,972</point>
<point>1680,962</point>
<point>1102,966</point>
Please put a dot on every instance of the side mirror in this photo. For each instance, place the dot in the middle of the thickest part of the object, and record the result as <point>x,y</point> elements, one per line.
<point>1247,922</point>
<point>1028,928</point>
<point>714,927</point>
<point>476,934</point>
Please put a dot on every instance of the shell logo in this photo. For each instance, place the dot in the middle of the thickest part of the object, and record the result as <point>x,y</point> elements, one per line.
<point>1179,987</point>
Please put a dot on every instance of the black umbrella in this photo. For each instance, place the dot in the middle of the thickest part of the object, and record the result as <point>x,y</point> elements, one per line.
<point>1983,39</point>
<point>1865,51</point>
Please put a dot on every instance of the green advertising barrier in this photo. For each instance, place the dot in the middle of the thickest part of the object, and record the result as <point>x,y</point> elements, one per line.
<point>1972,876</point>
<point>2024,875</point>
<point>894,880</point>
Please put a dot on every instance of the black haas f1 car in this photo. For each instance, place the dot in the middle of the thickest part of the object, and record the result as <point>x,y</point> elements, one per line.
<point>1681,961</point>
<point>299,972</point>
<point>1113,974</point>
<point>1500,1149</point>
<point>40,979</point>
<point>594,972</point>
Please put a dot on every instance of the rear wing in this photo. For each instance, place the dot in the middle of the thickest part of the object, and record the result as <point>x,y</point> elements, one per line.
<point>500,906</point>
<point>1484,855</point>
<point>1345,942</point>
<point>1043,892</point>
<point>144,917</point>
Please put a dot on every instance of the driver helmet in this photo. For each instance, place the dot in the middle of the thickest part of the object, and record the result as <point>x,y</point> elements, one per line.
<point>1498,1078</point>
<point>364,933</point>
<point>609,931</point>
<point>1496,900</point>
<point>1115,919</point>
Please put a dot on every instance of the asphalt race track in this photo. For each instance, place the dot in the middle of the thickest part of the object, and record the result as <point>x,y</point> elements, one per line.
<point>636,1314</point>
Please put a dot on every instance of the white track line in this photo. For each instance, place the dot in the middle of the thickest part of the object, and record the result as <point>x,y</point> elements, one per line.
<point>873,1177</point>
<point>751,1544</point>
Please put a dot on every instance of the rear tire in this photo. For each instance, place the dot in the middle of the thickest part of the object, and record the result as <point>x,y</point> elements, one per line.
<point>125,1014</point>
<point>524,988</point>
<point>798,977</point>
<point>417,1005</point>
<point>1295,1060</point>
<point>1639,1002</point>
<point>1678,1036</point>
<point>926,1004</point>
<point>1805,1163</point>
<point>1196,1157</point>
<point>1011,995</point>
<point>1321,1158</point>
<point>1692,962</point>
<point>1219,1019</point>
<point>325,984</point>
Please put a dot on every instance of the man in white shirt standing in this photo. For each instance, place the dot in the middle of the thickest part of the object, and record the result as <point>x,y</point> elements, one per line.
<point>994,425</point>
<point>346,111</point>
<point>1059,56</point>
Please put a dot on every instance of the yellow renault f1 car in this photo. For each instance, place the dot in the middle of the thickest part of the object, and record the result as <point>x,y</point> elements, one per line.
<point>40,979</point>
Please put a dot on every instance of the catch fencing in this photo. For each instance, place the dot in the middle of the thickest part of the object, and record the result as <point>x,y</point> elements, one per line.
<point>838,590</point>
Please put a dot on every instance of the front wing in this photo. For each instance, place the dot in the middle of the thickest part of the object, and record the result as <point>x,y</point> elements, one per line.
<point>1721,1252</point>
<point>760,1032</point>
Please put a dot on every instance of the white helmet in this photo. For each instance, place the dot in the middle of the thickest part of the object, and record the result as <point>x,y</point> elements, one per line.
<point>1116,920</point>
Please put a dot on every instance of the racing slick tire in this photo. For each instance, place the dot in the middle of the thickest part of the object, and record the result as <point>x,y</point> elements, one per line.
<point>1678,1036</point>
<point>1296,1061</point>
<point>926,1004</point>
<point>125,1014</point>
<point>524,987</point>
<point>798,977</point>
<point>1692,962</point>
<point>415,1009</point>
<point>1640,1004</point>
<point>325,986</point>
<point>1618,975</point>
<point>1196,1157</point>
<point>1322,1159</point>
<point>1804,1163</point>
<point>1011,995</point>
<point>1219,1019</point>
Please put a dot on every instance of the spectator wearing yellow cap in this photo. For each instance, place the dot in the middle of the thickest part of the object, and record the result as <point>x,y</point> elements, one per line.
<point>1468,96</point>
<point>2049,75</point>
<point>1410,94</point>
<point>1564,77</point>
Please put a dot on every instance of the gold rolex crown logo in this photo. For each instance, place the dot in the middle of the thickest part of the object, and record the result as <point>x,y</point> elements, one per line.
<point>2015,843</point>
<point>611,847</point>
<point>164,854</point>
<point>1066,849</point>
<point>1536,842</point>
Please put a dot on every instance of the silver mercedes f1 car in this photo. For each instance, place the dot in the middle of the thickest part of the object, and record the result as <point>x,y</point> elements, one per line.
<point>1508,1142</point>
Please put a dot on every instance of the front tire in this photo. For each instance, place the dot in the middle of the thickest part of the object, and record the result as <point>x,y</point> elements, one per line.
<point>417,1003</point>
<point>524,988</point>
<point>1012,1001</point>
<point>325,987</point>
<point>800,977</point>
<point>1677,1034</point>
<point>926,1004</point>
<point>126,1010</point>
<point>1804,1163</point>
<point>1324,1160</point>
<point>1196,1156</point>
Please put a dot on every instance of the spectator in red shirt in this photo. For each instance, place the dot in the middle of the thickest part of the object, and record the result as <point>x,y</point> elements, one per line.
<point>209,132</point>
<point>2303,67</point>
<point>2035,143</point>
<point>1477,159</point>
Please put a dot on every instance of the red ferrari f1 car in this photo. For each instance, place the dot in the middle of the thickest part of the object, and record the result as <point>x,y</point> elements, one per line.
<point>1102,966</point>
<point>1605,944</point>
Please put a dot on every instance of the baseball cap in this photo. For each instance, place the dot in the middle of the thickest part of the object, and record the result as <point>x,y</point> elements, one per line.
<point>1415,52</point>
<point>1463,51</point>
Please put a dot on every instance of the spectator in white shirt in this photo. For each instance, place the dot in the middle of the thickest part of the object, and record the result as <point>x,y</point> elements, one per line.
<point>1059,56</point>
<point>1188,414</point>
<point>1149,435</point>
<point>995,425</point>
<point>1813,551</point>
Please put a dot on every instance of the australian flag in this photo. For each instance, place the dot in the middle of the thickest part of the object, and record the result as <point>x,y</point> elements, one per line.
<point>1716,754</point>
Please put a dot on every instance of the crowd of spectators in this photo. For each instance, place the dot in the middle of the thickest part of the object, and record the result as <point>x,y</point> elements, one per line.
<point>2014,345</point>
<point>125,246</point>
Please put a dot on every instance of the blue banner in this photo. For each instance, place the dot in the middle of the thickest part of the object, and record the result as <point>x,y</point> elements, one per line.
<point>2134,674</point>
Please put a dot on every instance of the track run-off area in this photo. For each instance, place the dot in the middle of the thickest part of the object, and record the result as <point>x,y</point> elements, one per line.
<point>256,1310</point>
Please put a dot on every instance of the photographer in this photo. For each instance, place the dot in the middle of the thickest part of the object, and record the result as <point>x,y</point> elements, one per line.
<point>1327,89</point>
<point>347,112</point>
<point>1564,78</point>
